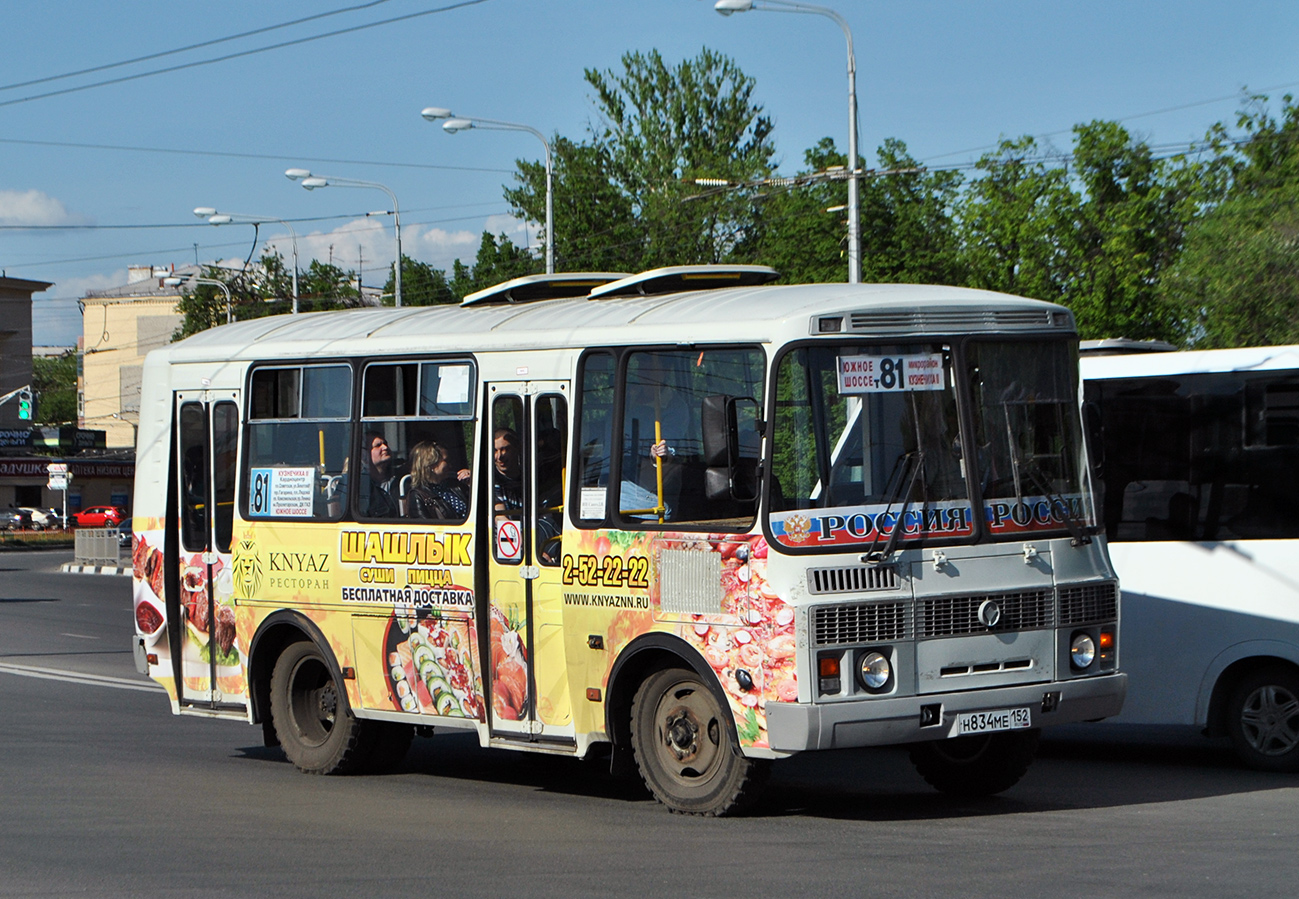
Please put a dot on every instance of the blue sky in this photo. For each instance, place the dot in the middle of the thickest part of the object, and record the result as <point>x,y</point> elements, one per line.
<point>947,77</point>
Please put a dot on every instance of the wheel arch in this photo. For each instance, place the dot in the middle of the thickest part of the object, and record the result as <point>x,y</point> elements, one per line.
<point>274,634</point>
<point>1227,670</point>
<point>642,657</point>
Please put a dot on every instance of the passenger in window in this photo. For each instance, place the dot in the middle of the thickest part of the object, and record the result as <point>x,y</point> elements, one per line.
<point>508,486</point>
<point>383,480</point>
<point>435,491</point>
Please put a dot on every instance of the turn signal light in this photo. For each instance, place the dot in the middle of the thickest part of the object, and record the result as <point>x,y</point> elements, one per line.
<point>829,666</point>
<point>1107,640</point>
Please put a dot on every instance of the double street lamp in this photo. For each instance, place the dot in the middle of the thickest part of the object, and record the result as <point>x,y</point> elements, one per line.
<point>176,282</point>
<point>313,182</point>
<point>456,123</point>
<point>726,8</point>
<point>225,218</point>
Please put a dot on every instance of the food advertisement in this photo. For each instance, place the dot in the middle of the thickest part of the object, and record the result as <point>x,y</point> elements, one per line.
<point>208,618</point>
<point>431,664</point>
<point>611,583</point>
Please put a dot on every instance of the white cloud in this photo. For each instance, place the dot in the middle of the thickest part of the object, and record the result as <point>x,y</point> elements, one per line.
<point>434,246</point>
<point>33,207</point>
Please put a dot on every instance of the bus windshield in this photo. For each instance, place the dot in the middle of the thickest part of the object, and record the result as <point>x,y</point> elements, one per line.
<point>868,448</point>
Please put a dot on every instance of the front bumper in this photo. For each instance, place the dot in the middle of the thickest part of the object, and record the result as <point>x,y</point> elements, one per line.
<point>794,727</point>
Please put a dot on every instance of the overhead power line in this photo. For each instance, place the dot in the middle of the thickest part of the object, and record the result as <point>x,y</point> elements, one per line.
<point>242,53</point>
<point>186,49</point>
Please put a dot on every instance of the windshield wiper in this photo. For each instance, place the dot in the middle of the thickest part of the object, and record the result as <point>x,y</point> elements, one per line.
<point>1077,530</point>
<point>910,463</point>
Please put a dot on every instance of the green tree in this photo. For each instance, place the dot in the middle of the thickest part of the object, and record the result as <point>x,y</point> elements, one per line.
<point>626,199</point>
<point>498,260</point>
<point>908,231</point>
<point>421,285</point>
<point>797,235</point>
<point>595,226</point>
<point>1017,219</point>
<point>54,381</point>
<point>1237,281</point>
<point>1130,231</point>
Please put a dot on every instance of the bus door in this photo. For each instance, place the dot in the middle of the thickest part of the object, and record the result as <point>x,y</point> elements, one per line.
<point>200,603</point>
<point>526,666</point>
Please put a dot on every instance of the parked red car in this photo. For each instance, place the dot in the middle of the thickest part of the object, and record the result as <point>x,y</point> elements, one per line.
<point>99,517</point>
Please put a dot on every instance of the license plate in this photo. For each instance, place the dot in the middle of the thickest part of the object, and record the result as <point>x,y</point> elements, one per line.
<point>994,720</point>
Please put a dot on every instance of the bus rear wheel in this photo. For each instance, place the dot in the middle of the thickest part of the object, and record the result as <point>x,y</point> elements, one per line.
<point>684,743</point>
<point>1263,719</point>
<point>312,720</point>
<point>975,766</point>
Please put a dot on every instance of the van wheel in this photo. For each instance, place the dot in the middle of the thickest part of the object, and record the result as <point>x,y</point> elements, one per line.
<point>312,719</point>
<point>975,766</point>
<point>1263,719</point>
<point>685,748</point>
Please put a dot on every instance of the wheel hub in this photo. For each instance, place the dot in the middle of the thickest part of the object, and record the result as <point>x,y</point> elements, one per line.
<point>682,733</point>
<point>1270,720</point>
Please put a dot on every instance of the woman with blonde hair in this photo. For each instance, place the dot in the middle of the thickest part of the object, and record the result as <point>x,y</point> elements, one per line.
<point>434,492</point>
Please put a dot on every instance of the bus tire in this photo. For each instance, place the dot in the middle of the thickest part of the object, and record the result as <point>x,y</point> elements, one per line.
<point>309,708</point>
<point>684,743</point>
<point>975,766</point>
<point>1263,719</point>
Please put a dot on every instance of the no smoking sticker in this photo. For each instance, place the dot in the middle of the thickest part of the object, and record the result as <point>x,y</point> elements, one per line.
<point>509,541</point>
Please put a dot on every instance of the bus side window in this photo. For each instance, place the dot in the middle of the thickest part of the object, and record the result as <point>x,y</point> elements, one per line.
<point>551,453</point>
<point>299,438</point>
<point>416,441</point>
<point>594,438</point>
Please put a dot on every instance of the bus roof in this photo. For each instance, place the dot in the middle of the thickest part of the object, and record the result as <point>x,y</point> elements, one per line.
<point>735,314</point>
<point>1147,365</point>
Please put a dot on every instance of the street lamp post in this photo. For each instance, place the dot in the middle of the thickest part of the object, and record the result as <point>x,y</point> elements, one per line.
<point>224,218</point>
<point>176,282</point>
<point>726,8</point>
<point>312,182</point>
<point>456,123</point>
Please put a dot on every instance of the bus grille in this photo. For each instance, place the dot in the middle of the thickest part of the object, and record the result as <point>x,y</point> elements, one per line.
<point>956,320</point>
<point>948,616</point>
<point>1087,603</point>
<point>860,623</point>
<point>851,580</point>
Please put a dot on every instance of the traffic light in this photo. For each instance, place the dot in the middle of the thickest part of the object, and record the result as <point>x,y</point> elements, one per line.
<point>24,405</point>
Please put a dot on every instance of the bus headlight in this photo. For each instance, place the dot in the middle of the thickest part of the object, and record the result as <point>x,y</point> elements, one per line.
<point>875,671</point>
<point>1082,651</point>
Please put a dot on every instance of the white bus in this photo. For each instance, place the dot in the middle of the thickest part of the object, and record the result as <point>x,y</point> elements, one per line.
<point>1198,454</point>
<point>688,518</point>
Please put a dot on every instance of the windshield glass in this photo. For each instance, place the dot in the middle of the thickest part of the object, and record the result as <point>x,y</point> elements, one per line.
<point>865,441</point>
<point>1031,466</point>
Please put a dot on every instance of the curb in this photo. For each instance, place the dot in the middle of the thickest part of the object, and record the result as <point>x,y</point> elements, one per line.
<point>75,568</point>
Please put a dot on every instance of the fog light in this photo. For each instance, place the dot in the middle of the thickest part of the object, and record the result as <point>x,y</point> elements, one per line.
<point>874,670</point>
<point>1082,651</point>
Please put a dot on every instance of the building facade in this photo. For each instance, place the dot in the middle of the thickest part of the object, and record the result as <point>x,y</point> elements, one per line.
<point>120,326</point>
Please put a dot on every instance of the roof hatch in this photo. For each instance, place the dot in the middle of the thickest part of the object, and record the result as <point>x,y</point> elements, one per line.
<point>531,288</point>
<point>679,278</point>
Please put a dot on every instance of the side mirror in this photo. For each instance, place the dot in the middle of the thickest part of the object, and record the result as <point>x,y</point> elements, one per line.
<point>731,437</point>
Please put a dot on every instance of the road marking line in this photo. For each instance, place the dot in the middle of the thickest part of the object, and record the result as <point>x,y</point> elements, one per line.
<point>77,677</point>
<point>79,636</point>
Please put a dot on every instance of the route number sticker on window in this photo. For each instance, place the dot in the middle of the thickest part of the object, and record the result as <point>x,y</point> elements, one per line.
<point>891,374</point>
<point>281,492</point>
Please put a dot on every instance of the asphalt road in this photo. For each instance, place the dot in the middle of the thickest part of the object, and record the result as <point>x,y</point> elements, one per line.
<point>104,793</point>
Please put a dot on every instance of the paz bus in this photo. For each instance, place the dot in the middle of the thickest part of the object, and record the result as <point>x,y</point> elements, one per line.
<point>688,518</point>
<point>1198,455</point>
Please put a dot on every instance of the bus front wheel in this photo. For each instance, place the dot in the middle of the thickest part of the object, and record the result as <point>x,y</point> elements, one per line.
<point>975,766</point>
<point>309,709</point>
<point>684,743</point>
<point>1263,719</point>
